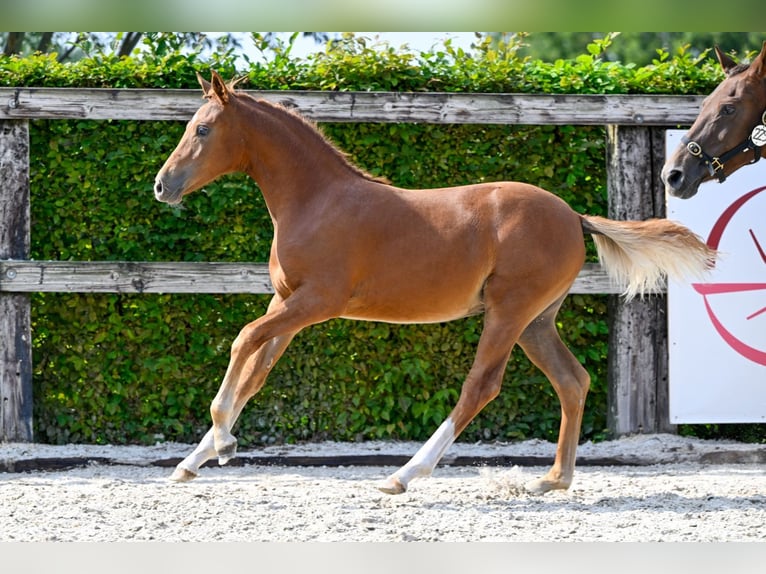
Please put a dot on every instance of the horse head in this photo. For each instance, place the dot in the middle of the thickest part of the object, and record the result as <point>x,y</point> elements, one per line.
<point>205,151</point>
<point>729,132</point>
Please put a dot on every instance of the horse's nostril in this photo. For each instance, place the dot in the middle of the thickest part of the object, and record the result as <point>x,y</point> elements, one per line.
<point>674,178</point>
<point>158,188</point>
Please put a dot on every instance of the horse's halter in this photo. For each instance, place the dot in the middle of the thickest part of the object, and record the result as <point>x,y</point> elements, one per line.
<point>755,141</point>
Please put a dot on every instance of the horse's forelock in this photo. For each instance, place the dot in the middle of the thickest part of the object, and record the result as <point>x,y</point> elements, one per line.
<point>738,69</point>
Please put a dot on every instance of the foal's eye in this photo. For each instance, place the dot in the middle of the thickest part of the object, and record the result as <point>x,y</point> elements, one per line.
<point>202,130</point>
<point>728,109</point>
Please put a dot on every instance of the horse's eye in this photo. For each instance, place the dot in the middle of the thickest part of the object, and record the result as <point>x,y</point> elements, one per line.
<point>728,109</point>
<point>202,130</point>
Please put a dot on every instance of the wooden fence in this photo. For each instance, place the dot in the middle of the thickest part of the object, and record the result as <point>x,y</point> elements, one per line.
<point>637,367</point>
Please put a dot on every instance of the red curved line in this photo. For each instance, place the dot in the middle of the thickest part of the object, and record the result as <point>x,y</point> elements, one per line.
<point>745,350</point>
<point>714,239</point>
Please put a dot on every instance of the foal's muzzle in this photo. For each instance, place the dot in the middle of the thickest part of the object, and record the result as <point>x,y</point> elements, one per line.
<point>163,193</point>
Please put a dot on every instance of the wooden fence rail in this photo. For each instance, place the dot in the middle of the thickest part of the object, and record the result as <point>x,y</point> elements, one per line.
<point>180,277</point>
<point>635,153</point>
<point>324,106</point>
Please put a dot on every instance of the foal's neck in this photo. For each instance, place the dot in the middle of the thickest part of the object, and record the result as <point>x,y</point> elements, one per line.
<point>290,159</point>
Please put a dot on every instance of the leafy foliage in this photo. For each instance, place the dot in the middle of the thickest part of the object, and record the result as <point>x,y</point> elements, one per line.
<point>634,47</point>
<point>134,369</point>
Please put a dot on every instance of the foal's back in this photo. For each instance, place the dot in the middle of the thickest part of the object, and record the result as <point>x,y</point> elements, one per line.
<point>426,255</point>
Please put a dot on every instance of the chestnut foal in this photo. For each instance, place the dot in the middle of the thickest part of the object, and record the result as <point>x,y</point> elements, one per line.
<point>348,245</point>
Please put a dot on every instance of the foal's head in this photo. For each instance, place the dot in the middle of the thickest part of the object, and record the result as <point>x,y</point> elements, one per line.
<point>206,150</point>
<point>728,133</point>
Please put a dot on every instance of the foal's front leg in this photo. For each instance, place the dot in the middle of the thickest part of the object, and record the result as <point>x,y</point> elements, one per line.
<point>284,318</point>
<point>254,352</point>
<point>262,362</point>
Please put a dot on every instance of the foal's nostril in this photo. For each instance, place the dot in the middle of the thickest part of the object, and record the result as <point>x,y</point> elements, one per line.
<point>158,188</point>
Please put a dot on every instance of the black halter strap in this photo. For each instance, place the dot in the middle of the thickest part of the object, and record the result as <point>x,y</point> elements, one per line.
<point>715,164</point>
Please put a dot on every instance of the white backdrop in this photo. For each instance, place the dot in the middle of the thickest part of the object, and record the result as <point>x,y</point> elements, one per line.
<point>717,325</point>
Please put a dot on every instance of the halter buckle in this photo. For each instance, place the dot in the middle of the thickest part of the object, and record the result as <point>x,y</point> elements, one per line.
<point>694,149</point>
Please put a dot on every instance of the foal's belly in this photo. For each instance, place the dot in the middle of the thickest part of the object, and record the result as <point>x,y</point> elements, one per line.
<point>422,316</point>
<point>423,308</point>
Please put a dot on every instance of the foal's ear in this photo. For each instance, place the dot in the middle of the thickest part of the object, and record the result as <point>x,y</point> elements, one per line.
<point>219,88</point>
<point>726,62</point>
<point>204,83</point>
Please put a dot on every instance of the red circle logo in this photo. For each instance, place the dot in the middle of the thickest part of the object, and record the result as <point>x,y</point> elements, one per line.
<point>707,290</point>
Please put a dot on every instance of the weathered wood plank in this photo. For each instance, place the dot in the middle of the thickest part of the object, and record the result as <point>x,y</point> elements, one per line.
<point>327,106</point>
<point>181,277</point>
<point>660,312</point>
<point>637,363</point>
<point>15,368</point>
<point>15,330</point>
<point>133,277</point>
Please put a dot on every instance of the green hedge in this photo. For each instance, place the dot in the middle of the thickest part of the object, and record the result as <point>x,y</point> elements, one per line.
<point>140,368</point>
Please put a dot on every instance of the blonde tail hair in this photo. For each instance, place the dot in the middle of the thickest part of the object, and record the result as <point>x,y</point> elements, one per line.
<point>641,254</point>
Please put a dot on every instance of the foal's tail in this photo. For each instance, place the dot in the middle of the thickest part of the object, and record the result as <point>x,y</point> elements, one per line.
<point>640,254</point>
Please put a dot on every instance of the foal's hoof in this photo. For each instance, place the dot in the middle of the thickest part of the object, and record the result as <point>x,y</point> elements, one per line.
<point>392,485</point>
<point>226,453</point>
<point>542,485</point>
<point>182,475</point>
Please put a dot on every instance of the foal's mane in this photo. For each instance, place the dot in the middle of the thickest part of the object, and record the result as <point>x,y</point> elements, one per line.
<point>310,128</point>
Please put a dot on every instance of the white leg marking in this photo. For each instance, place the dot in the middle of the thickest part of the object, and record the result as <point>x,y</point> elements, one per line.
<point>188,468</point>
<point>426,459</point>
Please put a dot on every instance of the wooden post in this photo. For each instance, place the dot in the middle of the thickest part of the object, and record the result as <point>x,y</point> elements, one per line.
<point>638,341</point>
<point>15,331</point>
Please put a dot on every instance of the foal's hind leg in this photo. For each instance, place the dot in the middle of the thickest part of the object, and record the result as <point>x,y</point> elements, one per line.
<point>480,387</point>
<point>544,347</point>
<point>259,366</point>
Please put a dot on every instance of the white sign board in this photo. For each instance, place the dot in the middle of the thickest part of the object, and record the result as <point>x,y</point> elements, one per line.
<point>717,325</point>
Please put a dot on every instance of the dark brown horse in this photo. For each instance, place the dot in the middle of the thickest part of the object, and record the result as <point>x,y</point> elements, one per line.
<point>348,245</point>
<point>729,132</point>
